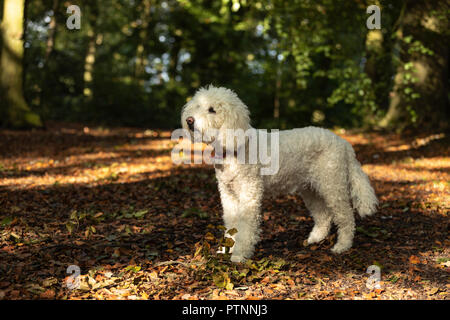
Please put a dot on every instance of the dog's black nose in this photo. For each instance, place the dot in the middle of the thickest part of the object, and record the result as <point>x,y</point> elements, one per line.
<point>190,122</point>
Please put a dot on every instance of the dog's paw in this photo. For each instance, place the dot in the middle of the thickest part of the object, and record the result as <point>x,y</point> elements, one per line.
<point>313,238</point>
<point>317,235</point>
<point>339,248</point>
<point>237,259</point>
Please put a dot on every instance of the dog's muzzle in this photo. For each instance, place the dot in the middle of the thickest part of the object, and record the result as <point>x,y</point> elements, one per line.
<point>190,122</point>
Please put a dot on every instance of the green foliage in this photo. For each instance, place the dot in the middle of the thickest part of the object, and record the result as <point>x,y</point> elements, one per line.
<point>312,57</point>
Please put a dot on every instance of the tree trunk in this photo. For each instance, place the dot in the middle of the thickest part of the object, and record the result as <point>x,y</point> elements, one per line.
<point>276,100</point>
<point>379,69</point>
<point>48,53</point>
<point>419,94</point>
<point>15,110</point>
<point>141,52</point>
<point>89,61</point>
<point>95,38</point>
<point>174,56</point>
<point>51,32</point>
<point>396,111</point>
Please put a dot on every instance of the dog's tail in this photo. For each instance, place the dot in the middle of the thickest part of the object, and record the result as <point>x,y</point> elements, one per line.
<point>363,196</point>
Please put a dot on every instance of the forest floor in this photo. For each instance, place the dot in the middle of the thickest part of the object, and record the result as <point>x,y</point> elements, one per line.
<point>111,203</point>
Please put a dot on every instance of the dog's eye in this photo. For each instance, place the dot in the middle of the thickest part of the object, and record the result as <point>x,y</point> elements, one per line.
<point>211,110</point>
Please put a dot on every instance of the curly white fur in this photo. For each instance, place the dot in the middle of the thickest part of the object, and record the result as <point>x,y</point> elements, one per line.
<point>313,162</point>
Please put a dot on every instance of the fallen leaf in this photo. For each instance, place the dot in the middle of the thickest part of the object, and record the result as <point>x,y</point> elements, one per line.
<point>414,259</point>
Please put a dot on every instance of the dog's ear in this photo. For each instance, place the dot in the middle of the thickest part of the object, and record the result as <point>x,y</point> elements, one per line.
<point>236,122</point>
<point>236,116</point>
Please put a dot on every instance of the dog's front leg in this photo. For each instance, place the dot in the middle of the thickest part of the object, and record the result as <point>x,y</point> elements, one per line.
<point>242,204</point>
<point>230,205</point>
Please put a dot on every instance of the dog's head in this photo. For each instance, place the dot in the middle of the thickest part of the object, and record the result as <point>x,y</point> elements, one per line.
<point>212,111</point>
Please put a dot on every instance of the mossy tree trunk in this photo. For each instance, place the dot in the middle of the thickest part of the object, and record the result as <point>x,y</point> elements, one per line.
<point>419,93</point>
<point>15,111</point>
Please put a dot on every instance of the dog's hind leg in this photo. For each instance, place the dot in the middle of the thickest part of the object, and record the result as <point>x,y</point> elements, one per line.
<point>344,219</point>
<point>333,185</point>
<point>320,213</point>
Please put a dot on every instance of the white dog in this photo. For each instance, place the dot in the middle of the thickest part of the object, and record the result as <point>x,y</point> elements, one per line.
<point>313,162</point>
